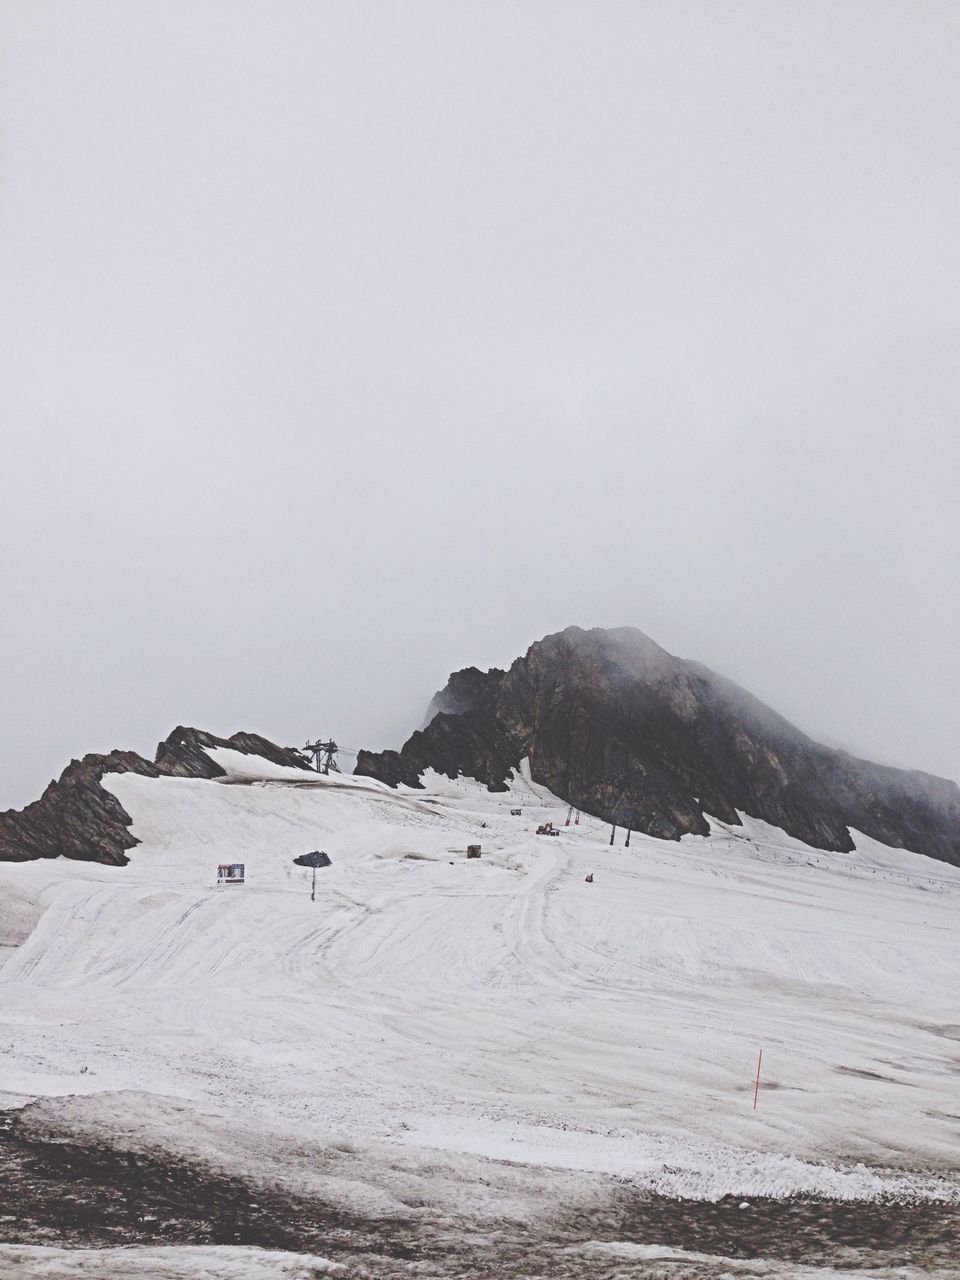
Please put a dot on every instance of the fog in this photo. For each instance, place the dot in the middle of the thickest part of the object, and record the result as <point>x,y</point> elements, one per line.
<point>348,344</point>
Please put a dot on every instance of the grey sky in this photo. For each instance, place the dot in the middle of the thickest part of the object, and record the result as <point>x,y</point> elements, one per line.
<point>347,344</point>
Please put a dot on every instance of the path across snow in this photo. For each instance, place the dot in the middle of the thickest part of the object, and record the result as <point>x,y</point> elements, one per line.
<point>500,1007</point>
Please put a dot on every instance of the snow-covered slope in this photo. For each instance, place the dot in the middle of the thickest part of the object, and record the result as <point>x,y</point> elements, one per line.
<point>500,1007</point>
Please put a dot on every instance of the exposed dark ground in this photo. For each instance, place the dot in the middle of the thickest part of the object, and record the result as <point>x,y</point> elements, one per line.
<point>61,1193</point>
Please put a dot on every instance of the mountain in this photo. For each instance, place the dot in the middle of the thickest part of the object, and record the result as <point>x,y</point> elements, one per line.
<point>471,1067</point>
<point>417,1062</point>
<point>615,725</point>
<point>77,818</point>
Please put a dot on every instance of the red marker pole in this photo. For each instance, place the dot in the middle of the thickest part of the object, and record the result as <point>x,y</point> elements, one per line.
<point>756,1090</point>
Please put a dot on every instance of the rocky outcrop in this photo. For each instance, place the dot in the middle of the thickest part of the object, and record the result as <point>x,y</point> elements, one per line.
<point>619,727</point>
<point>182,754</point>
<point>77,818</point>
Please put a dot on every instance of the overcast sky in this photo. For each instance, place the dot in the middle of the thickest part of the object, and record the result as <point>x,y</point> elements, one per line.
<point>348,344</point>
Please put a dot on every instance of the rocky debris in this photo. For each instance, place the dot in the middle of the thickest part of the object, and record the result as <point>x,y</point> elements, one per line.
<point>77,818</point>
<point>617,726</point>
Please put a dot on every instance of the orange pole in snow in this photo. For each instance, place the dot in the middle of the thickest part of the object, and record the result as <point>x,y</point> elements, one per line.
<point>756,1090</point>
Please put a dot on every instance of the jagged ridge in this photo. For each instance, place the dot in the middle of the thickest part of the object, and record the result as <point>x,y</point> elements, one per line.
<point>77,818</point>
<point>614,724</point>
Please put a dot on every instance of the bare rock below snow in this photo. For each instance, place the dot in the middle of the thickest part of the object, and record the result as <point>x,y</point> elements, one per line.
<point>75,817</point>
<point>614,724</point>
<point>182,754</point>
<point>78,818</point>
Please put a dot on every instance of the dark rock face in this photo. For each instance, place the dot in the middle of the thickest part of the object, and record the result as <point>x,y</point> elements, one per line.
<point>622,729</point>
<point>77,818</point>
<point>462,691</point>
<point>182,754</point>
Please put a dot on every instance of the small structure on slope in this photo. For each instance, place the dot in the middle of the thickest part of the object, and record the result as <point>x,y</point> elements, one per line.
<point>473,851</point>
<point>324,755</point>
<point>230,873</point>
<point>315,859</point>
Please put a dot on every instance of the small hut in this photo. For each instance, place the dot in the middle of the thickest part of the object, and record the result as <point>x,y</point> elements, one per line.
<point>230,873</point>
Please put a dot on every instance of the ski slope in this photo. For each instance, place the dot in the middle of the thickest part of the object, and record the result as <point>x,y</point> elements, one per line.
<point>432,1011</point>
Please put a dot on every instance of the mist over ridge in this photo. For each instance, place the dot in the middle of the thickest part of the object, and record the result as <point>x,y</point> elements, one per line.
<point>615,725</point>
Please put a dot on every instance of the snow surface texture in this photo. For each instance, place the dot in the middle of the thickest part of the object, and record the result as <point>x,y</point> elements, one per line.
<point>212,1262</point>
<point>237,1263</point>
<point>429,1010</point>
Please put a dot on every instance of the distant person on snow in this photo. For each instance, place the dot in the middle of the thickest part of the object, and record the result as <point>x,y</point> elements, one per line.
<point>590,878</point>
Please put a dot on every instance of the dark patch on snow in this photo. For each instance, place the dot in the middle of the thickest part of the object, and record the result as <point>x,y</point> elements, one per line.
<point>861,1074</point>
<point>90,1194</point>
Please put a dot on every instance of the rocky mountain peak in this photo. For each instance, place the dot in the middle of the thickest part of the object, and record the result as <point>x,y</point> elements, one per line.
<point>616,725</point>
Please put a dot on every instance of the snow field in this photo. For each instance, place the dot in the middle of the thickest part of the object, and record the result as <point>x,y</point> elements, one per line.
<point>501,1008</point>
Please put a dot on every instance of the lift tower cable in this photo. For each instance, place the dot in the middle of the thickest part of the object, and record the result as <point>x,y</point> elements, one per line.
<point>323,754</point>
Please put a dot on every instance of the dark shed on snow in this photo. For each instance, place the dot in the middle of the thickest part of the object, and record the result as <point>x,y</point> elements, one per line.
<point>316,859</point>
